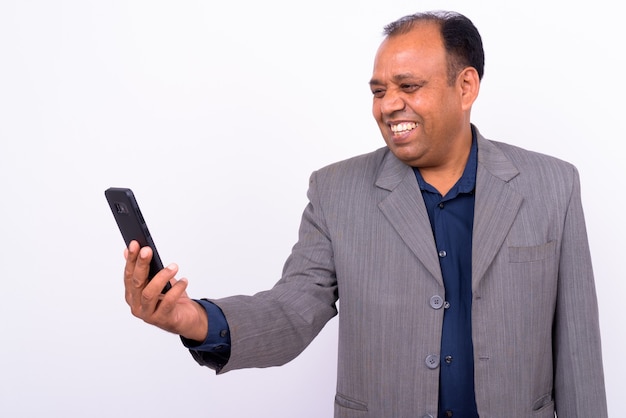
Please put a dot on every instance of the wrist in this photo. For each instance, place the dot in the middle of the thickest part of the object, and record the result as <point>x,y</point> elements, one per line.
<point>199,329</point>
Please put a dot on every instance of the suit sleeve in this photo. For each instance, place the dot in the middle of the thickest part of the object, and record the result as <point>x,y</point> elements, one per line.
<point>579,377</point>
<point>272,327</point>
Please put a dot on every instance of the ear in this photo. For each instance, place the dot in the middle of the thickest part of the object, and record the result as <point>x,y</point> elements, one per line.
<point>469,84</point>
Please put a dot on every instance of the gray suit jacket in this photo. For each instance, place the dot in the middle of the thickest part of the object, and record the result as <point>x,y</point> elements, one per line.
<point>365,240</point>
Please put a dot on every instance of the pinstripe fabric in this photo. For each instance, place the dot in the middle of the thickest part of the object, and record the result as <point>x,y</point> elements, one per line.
<point>365,238</point>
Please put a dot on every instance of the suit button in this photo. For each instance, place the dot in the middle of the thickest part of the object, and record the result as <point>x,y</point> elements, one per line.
<point>436,302</point>
<point>432,361</point>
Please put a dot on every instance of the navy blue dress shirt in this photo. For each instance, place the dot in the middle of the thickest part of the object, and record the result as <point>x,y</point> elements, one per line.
<point>451,218</point>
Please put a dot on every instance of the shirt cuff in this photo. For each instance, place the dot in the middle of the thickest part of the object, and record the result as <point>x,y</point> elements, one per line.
<point>218,336</point>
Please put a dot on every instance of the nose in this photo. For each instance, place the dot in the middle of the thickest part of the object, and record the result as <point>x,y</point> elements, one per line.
<point>391,102</point>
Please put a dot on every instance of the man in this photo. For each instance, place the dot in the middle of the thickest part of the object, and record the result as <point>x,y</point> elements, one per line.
<point>462,264</point>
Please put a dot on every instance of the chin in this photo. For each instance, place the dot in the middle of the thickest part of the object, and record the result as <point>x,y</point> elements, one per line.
<point>405,157</point>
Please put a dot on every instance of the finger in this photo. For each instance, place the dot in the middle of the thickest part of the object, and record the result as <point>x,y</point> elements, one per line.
<point>139,277</point>
<point>126,250</point>
<point>159,281</point>
<point>172,298</point>
<point>136,274</point>
<point>151,296</point>
<point>175,312</point>
<point>130,254</point>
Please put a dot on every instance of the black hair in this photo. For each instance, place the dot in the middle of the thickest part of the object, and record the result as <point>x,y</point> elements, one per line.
<point>460,39</point>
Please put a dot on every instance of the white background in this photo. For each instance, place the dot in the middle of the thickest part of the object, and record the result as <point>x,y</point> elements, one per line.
<point>215,113</point>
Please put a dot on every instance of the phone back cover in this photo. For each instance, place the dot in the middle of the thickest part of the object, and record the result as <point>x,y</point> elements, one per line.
<point>131,223</point>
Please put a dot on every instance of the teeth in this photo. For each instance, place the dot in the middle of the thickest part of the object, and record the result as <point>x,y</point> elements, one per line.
<point>403,127</point>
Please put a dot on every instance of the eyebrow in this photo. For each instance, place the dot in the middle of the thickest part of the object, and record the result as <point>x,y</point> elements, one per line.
<point>398,78</point>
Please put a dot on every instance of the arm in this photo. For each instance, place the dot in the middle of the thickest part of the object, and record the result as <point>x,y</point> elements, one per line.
<point>274,326</point>
<point>267,329</point>
<point>579,378</point>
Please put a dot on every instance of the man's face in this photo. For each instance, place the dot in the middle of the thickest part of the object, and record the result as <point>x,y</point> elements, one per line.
<point>420,115</point>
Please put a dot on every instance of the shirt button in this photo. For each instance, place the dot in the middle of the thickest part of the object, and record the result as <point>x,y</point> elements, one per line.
<point>442,253</point>
<point>436,302</point>
<point>441,205</point>
<point>432,361</point>
<point>223,333</point>
<point>446,305</point>
<point>448,359</point>
<point>449,413</point>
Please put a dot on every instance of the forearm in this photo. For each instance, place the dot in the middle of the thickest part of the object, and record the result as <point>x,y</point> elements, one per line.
<point>272,327</point>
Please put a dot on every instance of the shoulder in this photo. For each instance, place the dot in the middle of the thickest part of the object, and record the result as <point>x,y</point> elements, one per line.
<point>531,173</point>
<point>361,167</point>
<point>529,164</point>
<point>360,162</point>
<point>523,156</point>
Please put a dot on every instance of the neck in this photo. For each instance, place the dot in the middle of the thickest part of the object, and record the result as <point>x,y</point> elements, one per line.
<point>443,177</point>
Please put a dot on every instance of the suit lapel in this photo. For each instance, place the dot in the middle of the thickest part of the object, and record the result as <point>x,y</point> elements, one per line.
<point>495,209</point>
<point>496,206</point>
<point>404,208</point>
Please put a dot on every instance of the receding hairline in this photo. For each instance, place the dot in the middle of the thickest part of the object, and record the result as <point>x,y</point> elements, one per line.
<point>407,23</point>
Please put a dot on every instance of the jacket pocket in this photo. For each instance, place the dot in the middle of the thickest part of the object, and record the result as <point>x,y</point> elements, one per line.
<point>544,406</point>
<point>349,403</point>
<point>534,253</point>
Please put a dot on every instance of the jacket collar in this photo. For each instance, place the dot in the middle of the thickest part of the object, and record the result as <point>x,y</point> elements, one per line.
<point>496,206</point>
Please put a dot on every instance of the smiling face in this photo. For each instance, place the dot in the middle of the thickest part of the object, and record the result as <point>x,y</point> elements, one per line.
<point>422,115</point>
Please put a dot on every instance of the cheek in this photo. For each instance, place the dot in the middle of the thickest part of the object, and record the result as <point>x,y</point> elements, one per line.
<point>376,111</point>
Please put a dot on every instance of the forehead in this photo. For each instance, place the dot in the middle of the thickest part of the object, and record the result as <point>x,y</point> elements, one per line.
<point>420,50</point>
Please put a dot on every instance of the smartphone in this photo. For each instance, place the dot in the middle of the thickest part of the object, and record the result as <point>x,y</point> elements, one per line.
<point>132,225</point>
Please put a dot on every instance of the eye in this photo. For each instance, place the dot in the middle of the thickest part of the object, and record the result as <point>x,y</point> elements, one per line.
<point>378,93</point>
<point>410,88</point>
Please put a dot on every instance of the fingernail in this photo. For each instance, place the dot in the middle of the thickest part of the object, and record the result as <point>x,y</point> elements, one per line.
<point>172,267</point>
